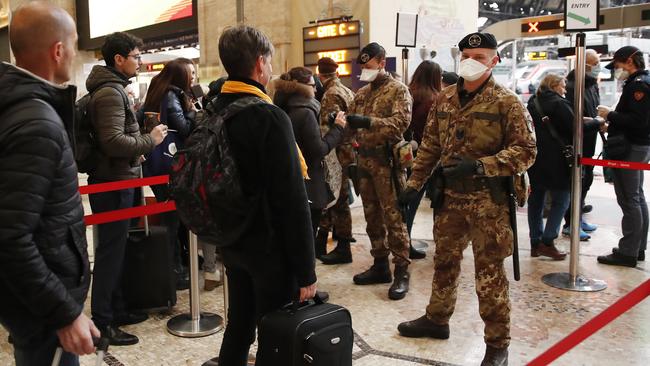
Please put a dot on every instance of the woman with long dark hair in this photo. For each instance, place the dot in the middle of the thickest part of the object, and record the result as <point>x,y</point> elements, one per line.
<point>169,94</point>
<point>424,87</point>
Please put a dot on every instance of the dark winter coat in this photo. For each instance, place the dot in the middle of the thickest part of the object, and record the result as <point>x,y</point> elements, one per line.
<point>298,101</point>
<point>116,128</point>
<point>632,114</point>
<point>44,270</point>
<point>265,151</point>
<point>591,102</point>
<point>177,118</point>
<point>550,170</point>
<point>418,120</point>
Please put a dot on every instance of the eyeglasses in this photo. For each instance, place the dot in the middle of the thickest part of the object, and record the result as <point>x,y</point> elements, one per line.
<point>137,57</point>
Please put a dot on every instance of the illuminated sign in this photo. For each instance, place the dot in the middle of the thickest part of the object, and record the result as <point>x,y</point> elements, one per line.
<point>155,67</point>
<point>332,30</point>
<point>535,26</point>
<point>537,55</point>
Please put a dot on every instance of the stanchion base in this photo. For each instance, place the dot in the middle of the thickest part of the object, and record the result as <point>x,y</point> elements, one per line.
<point>564,281</point>
<point>419,244</point>
<point>183,326</point>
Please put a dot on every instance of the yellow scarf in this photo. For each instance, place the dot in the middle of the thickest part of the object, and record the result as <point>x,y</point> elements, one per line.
<point>237,87</point>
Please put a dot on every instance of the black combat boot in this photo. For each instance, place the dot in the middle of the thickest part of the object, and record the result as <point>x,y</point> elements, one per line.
<point>341,254</point>
<point>320,242</point>
<point>379,272</point>
<point>400,285</point>
<point>495,356</point>
<point>423,327</point>
<point>416,254</point>
<point>116,336</point>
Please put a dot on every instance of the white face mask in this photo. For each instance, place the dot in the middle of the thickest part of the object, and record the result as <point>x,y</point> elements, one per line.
<point>471,69</point>
<point>621,74</point>
<point>368,75</point>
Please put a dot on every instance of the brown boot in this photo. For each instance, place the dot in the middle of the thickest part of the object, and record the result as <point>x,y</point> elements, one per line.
<point>423,327</point>
<point>550,251</point>
<point>495,356</point>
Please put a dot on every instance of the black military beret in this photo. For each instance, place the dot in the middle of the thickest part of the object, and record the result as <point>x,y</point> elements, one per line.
<point>478,40</point>
<point>369,52</point>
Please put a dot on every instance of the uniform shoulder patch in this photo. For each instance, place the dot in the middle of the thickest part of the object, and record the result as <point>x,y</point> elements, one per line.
<point>638,95</point>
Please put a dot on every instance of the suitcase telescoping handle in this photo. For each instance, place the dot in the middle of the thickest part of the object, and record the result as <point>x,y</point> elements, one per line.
<point>101,345</point>
<point>297,305</point>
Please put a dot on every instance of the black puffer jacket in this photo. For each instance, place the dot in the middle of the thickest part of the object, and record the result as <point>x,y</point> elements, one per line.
<point>44,270</point>
<point>591,102</point>
<point>303,109</point>
<point>118,132</point>
<point>550,170</point>
<point>177,118</point>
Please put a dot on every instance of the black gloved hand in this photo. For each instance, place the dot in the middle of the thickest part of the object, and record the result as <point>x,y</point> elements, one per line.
<point>459,168</point>
<point>331,117</point>
<point>407,197</point>
<point>356,121</point>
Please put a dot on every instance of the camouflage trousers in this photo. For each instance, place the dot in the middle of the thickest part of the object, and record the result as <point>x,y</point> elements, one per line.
<point>476,218</point>
<point>384,223</point>
<point>339,215</point>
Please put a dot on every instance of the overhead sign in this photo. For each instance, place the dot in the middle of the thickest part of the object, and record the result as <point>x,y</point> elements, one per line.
<point>581,15</point>
<point>537,55</point>
<point>532,27</point>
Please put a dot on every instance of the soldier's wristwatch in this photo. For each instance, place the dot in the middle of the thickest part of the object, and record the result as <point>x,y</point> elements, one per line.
<point>479,168</point>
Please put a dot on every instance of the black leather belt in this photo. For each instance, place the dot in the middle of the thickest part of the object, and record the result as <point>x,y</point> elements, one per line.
<point>467,185</point>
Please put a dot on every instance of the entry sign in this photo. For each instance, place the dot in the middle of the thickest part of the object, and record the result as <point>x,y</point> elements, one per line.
<point>581,15</point>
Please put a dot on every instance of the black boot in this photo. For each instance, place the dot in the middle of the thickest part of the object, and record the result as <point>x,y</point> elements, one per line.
<point>341,254</point>
<point>416,254</point>
<point>379,272</point>
<point>117,337</point>
<point>617,259</point>
<point>423,327</point>
<point>320,242</point>
<point>495,356</point>
<point>640,258</point>
<point>400,285</point>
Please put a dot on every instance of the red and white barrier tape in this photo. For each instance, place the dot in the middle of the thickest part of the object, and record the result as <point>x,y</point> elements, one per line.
<point>615,164</point>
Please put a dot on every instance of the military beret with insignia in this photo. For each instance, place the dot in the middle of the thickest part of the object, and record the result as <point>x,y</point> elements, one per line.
<point>326,65</point>
<point>369,52</point>
<point>478,40</point>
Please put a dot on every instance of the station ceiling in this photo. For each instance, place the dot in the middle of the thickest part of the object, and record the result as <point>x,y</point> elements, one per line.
<point>497,10</point>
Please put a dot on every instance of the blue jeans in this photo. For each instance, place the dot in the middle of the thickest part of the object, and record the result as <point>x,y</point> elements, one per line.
<point>40,351</point>
<point>561,199</point>
<point>106,300</point>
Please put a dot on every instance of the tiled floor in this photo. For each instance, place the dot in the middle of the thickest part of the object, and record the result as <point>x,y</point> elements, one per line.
<point>541,315</point>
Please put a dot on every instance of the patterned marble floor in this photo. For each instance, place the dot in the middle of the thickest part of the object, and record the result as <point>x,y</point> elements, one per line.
<point>541,315</point>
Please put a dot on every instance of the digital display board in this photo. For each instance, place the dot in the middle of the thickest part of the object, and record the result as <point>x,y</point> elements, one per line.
<point>338,40</point>
<point>106,17</point>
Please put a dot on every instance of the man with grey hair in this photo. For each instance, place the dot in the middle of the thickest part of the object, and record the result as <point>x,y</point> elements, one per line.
<point>273,260</point>
<point>44,269</point>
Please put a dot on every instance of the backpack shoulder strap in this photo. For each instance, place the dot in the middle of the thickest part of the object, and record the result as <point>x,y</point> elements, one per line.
<point>239,105</point>
<point>119,88</point>
<point>546,121</point>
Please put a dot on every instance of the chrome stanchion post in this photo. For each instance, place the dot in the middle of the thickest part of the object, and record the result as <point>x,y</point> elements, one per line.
<point>572,280</point>
<point>405,65</point>
<point>224,280</point>
<point>196,323</point>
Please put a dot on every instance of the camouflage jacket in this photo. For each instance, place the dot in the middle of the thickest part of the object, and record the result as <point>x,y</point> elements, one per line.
<point>388,103</point>
<point>337,97</point>
<point>494,127</point>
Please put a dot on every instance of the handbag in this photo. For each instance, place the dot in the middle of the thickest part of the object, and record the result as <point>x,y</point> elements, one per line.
<point>566,149</point>
<point>616,147</point>
<point>159,160</point>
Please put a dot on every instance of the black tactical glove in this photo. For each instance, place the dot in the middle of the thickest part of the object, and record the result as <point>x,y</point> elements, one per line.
<point>331,117</point>
<point>407,196</point>
<point>356,121</point>
<point>460,168</point>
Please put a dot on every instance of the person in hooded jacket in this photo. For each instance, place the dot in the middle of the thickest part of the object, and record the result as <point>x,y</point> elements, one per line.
<point>294,93</point>
<point>44,268</point>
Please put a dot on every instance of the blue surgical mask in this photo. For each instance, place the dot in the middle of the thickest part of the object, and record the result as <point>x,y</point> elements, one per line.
<point>595,71</point>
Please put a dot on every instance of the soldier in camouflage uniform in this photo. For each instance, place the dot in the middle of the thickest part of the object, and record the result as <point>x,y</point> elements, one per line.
<point>380,113</point>
<point>479,133</point>
<point>337,98</point>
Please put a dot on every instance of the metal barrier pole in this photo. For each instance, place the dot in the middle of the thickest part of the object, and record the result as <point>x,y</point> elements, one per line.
<point>405,65</point>
<point>224,280</point>
<point>196,323</point>
<point>572,280</point>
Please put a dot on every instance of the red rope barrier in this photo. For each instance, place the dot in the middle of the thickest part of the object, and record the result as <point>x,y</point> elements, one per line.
<point>128,213</point>
<point>615,164</point>
<point>124,184</point>
<point>592,326</point>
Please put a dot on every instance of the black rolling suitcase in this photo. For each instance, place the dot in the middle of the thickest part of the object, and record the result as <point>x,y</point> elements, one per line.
<point>148,276</point>
<point>314,333</point>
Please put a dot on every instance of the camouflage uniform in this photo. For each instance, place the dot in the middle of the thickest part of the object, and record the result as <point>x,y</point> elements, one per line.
<point>388,103</point>
<point>338,97</point>
<point>494,128</point>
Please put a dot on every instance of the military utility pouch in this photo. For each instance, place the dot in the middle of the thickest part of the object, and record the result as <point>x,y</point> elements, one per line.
<point>436,189</point>
<point>497,189</point>
<point>403,154</point>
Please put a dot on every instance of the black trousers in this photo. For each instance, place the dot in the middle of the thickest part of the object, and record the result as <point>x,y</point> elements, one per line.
<point>259,281</point>
<point>106,300</point>
<point>587,180</point>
